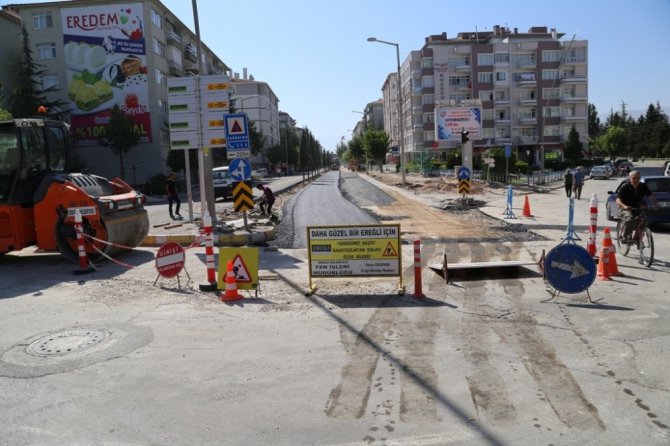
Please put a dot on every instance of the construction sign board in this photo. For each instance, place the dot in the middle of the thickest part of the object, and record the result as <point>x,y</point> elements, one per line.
<point>355,251</point>
<point>245,267</point>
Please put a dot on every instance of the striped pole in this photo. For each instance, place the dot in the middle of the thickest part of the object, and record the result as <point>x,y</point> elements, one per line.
<point>593,228</point>
<point>84,265</point>
<point>417,269</point>
<point>209,255</point>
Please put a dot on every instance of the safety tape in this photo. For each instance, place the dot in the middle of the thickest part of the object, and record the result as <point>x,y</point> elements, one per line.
<point>126,265</point>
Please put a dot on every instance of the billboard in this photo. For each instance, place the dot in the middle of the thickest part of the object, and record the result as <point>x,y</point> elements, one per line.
<point>106,65</point>
<point>450,122</point>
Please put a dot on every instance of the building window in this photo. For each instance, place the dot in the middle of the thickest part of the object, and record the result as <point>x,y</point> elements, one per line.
<point>485,59</point>
<point>428,117</point>
<point>459,97</point>
<point>489,132</point>
<point>428,99</point>
<point>162,106</point>
<point>501,76</point>
<point>459,81</point>
<point>159,47</point>
<point>500,96</point>
<point>46,50</point>
<point>42,20</point>
<point>501,58</point>
<point>160,76</point>
<point>550,93</point>
<point>165,138</point>
<point>551,56</point>
<point>549,75</point>
<point>49,81</point>
<point>488,114</point>
<point>551,130</point>
<point>485,95</point>
<point>485,78</point>
<point>428,135</point>
<point>427,82</point>
<point>427,62</point>
<point>551,112</point>
<point>156,19</point>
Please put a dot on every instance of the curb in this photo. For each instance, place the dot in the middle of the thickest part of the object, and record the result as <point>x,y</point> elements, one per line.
<point>236,238</point>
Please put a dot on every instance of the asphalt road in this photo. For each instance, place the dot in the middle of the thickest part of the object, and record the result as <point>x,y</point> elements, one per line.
<point>121,356</point>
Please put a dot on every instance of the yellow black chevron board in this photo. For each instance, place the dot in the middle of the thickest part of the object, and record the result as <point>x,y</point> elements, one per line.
<point>464,187</point>
<point>243,196</point>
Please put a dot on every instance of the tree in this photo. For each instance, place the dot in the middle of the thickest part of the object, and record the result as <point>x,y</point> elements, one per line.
<point>613,141</point>
<point>28,94</point>
<point>376,144</point>
<point>573,147</point>
<point>594,127</point>
<point>356,151</point>
<point>120,135</point>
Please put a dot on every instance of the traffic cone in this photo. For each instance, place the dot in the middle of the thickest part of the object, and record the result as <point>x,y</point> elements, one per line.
<point>603,264</point>
<point>526,208</point>
<point>231,294</point>
<point>591,244</point>
<point>612,266</point>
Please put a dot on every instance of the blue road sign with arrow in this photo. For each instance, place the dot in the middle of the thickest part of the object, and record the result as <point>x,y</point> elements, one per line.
<point>463,173</point>
<point>240,169</point>
<point>570,268</point>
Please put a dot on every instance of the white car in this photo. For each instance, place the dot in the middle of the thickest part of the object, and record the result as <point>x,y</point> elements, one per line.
<point>259,173</point>
<point>600,172</point>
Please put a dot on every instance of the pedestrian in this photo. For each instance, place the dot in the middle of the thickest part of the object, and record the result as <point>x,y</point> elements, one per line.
<point>577,183</point>
<point>172,195</point>
<point>567,182</point>
<point>267,200</point>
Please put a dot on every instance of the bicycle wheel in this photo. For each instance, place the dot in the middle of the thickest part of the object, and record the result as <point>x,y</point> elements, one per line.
<point>646,247</point>
<point>622,247</point>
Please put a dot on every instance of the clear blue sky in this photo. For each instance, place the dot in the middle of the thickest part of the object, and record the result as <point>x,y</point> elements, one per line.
<point>315,56</point>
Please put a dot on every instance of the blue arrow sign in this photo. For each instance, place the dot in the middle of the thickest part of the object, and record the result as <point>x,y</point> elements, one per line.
<point>570,268</point>
<point>240,169</point>
<point>463,173</point>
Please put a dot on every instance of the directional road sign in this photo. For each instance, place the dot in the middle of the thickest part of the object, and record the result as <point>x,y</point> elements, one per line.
<point>570,268</point>
<point>240,169</point>
<point>463,173</point>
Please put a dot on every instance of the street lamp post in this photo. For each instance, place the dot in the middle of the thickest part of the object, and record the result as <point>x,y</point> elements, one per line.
<point>400,118</point>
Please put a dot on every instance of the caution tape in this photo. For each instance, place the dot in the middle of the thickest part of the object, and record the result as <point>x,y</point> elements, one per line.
<point>118,262</point>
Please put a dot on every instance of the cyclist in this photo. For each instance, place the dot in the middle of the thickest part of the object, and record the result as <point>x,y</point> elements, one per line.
<point>631,195</point>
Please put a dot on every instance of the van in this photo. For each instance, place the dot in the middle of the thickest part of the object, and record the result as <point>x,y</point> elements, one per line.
<point>222,182</point>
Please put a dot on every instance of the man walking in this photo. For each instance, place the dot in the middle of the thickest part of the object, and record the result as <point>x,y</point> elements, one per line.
<point>567,182</point>
<point>577,183</point>
<point>172,195</point>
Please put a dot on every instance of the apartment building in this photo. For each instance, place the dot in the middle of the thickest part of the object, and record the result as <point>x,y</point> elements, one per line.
<point>10,32</point>
<point>99,54</point>
<point>373,117</point>
<point>531,89</point>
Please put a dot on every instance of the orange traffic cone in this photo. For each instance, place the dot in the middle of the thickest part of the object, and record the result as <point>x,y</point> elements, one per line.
<point>526,208</point>
<point>603,264</point>
<point>612,266</point>
<point>231,294</point>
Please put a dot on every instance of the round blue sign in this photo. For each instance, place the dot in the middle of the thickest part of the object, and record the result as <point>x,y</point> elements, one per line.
<point>463,173</point>
<point>240,169</point>
<point>569,268</point>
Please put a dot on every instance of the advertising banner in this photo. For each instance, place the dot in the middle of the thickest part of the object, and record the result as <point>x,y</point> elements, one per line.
<point>451,121</point>
<point>106,65</point>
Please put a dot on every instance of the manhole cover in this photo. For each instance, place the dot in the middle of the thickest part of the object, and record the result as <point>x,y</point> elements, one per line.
<point>67,341</point>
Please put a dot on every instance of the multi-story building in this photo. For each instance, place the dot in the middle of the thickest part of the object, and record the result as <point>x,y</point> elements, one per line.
<point>373,117</point>
<point>532,88</point>
<point>261,105</point>
<point>99,54</point>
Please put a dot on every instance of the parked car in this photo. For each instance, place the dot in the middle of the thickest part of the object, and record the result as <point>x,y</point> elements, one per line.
<point>600,172</point>
<point>658,185</point>
<point>222,182</point>
<point>259,173</point>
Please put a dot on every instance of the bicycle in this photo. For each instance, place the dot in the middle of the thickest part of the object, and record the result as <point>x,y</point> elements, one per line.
<point>642,237</point>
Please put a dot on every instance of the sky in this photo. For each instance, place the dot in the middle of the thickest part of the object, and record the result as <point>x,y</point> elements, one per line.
<point>316,58</point>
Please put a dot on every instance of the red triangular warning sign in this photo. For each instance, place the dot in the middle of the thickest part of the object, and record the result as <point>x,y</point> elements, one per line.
<point>236,127</point>
<point>390,251</point>
<point>240,269</point>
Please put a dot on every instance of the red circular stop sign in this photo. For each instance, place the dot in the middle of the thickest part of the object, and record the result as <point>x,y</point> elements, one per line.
<point>170,259</point>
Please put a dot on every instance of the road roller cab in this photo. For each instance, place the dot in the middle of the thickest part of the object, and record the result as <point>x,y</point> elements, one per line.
<point>39,196</point>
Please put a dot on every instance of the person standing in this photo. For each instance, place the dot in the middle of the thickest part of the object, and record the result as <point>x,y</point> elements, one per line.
<point>578,183</point>
<point>567,182</point>
<point>172,195</point>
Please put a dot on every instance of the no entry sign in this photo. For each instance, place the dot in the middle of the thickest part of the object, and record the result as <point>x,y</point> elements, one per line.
<point>170,259</point>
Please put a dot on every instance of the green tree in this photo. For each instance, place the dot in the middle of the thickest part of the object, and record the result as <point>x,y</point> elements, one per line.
<point>572,150</point>
<point>28,94</point>
<point>120,136</point>
<point>375,145</point>
<point>614,141</point>
<point>594,127</point>
<point>4,114</point>
<point>356,150</point>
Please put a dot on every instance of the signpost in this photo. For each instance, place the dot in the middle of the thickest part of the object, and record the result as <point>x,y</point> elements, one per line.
<point>237,135</point>
<point>170,260</point>
<point>569,268</point>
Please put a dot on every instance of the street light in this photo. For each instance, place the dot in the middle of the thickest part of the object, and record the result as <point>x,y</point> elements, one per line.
<point>401,123</point>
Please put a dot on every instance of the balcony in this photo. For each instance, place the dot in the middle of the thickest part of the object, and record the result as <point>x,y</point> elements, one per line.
<point>575,59</point>
<point>573,98</point>
<point>191,53</point>
<point>175,68</point>
<point>527,120</point>
<point>573,118</point>
<point>573,79</point>
<point>174,39</point>
<point>191,66</point>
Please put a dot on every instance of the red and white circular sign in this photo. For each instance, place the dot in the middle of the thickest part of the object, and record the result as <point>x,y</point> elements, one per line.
<point>170,259</point>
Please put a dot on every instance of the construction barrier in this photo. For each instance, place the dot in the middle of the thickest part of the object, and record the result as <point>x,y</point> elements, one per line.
<point>612,265</point>
<point>593,228</point>
<point>230,294</point>
<point>526,208</point>
<point>418,293</point>
<point>85,265</point>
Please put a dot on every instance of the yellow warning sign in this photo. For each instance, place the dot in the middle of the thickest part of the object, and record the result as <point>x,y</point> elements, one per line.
<point>245,267</point>
<point>390,251</point>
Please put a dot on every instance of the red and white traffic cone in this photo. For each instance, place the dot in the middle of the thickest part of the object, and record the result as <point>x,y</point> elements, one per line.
<point>230,294</point>
<point>593,228</point>
<point>210,285</point>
